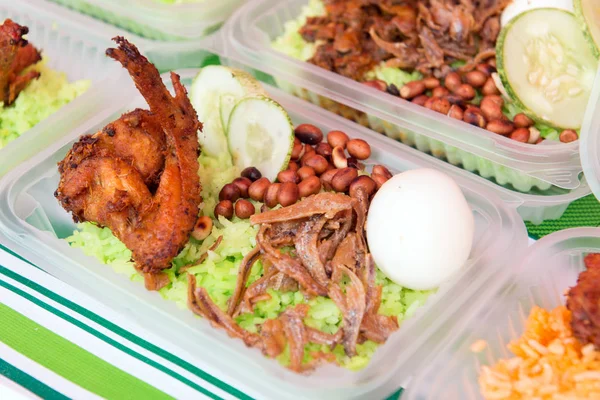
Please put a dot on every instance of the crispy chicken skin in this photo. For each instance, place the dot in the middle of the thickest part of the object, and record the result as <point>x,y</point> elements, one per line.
<point>139,175</point>
<point>15,55</point>
<point>584,303</point>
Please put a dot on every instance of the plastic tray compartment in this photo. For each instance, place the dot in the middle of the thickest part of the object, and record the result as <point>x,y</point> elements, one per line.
<point>31,223</point>
<point>166,56</point>
<point>246,38</point>
<point>77,53</point>
<point>590,139</point>
<point>551,266</point>
<point>154,20</point>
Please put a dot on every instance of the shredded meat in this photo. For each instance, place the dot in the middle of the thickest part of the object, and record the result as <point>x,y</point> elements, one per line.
<point>584,303</point>
<point>139,175</point>
<point>15,56</point>
<point>423,35</point>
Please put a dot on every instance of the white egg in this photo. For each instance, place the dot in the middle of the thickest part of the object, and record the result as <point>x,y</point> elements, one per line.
<point>420,228</point>
<point>520,6</point>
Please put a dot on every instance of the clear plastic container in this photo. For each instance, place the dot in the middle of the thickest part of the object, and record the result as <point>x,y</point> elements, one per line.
<point>246,38</point>
<point>166,56</point>
<point>32,222</point>
<point>590,139</point>
<point>77,53</point>
<point>154,20</point>
<point>551,266</point>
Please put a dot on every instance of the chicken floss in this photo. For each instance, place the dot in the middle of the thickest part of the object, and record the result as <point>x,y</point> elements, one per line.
<point>420,228</point>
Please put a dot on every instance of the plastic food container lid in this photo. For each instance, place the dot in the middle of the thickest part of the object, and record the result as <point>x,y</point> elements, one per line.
<point>31,223</point>
<point>589,141</point>
<point>542,276</point>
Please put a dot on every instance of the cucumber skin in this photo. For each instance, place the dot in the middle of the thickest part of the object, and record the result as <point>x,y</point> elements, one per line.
<point>502,73</point>
<point>585,28</point>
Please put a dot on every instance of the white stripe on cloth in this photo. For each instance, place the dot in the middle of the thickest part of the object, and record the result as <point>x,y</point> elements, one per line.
<point>43,374</point>
<point>82,300</point>
<point>98,347</point>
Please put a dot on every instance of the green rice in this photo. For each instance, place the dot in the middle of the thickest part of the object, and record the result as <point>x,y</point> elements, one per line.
<point>218,273</point>
<point>40,99</point>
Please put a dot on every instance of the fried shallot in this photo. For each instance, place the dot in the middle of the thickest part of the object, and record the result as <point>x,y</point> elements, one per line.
<point>583,301</point>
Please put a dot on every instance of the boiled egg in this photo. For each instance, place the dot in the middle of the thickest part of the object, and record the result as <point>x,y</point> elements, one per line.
<point>520,6</point>
<point>420,228</point>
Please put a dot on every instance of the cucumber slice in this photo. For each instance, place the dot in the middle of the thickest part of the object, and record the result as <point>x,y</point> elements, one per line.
<point>588,12</point>
<point>214,92</point>
<point>520,6</point>
<point>260,135</point>
<point>547,66</point>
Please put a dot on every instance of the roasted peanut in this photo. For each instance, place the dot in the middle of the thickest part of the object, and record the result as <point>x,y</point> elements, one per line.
<point>500,126</point>
<point>440,104</point>
<point>568,135</point>
<point>475,78</point>
<point>452,81</point>
<point>490,109</point>
<point>379,180</point>
<point>540,140</point>
<point>342,180</point>
<point>327,177</point>
<point>520,135</point>
<point>522,121</point>
<point>244,209</point>
<point>412,89</point>
<point>487,69</point>
<point>229,192</point>
<point>224,208</point>
<point>431,83</point>
<point>202,228</point>
<point>359,149</point>
<point>354,163</point>
<point>271,195</point>
<point>305,172</point>
<point>456,112</point>
<point>257,190</point>
<point>420,100</point>
<point>287,194</point>
<point>311,185</point>
<point>288,176</point>
<point>440,92</point>
<point>316,162</point>
<point>465,91</point>
<point>393,90</point>
<point>306,153</point>
<point>251,173</point>
<point>293,166</point>
<point>492,62</point>
<point>489,88</point>
<point>338,157</point>
<point>309,134</point>
<point>496,99</point>
<point>474,116</point>
<point>243,184</point>
<point>297,149</point>
<point>456,100</point>
<point>376,84</point>
<point>362,183</point>
<point>337,138</point>
<point>534,135</point>
<point>382,170</point>
<point>324,149</point>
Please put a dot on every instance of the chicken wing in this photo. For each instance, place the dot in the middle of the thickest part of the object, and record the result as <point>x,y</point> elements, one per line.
<point>15,56</point>
<point>139,175</point>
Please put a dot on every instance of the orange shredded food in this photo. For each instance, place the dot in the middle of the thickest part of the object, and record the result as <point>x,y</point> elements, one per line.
<point>549,363</point>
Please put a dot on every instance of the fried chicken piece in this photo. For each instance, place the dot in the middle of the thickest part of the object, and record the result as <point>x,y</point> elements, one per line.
<point>15,56</point>
<point>139,175</point>
<point>584,303</point>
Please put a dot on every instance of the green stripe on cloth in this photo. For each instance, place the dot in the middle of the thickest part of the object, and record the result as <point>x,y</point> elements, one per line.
<point>583,212</point>
<point>29,382</point>
<point>69,360</point>
<point>127,335</point>
<point>107,339</point>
